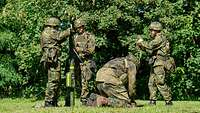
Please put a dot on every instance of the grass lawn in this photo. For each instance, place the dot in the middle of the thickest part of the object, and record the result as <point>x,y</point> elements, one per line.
<point>28,106</point>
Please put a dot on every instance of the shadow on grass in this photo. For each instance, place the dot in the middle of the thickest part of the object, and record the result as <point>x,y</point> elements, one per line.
<point>140,105</point>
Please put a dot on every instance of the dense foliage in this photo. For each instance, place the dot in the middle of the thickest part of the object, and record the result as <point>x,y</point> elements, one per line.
<point>115,24</point>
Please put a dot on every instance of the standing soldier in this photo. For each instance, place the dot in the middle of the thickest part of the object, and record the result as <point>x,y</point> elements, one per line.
<point>160,61</point>
<point>51,38</point>
<point>82,48</point>
<point>116,82</point>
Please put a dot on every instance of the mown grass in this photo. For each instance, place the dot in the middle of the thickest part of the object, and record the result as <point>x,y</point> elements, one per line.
<point>28,106</point>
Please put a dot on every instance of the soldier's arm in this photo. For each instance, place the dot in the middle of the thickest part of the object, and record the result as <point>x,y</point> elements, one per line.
<point>131,79</point>
<point>44,40</point>
<point>152,45</point>
<point>143,45</point>
<point>91,44</point>
<point>63,35</point>
<point>155,44</point>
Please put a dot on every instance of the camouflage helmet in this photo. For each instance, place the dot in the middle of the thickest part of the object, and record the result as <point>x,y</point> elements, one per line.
<point>52,22</point>
<point>155,26</point>
<point>78,23</point>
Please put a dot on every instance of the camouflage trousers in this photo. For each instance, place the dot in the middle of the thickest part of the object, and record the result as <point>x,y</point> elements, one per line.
<point>84,72</point>
<point>157,82</point>
<point>87,71</point>
<point>117,95</point>
<point>54,76</point>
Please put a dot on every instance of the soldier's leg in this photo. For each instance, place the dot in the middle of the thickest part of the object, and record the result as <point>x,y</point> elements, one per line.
<point>52,90</point>
<point>86,75</point>
<point>152,88</point>
<point>117,95</point>
<point>161,84</point>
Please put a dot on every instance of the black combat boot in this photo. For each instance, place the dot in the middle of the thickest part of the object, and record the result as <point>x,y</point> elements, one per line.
<point>55,103</point>
<point>168,103</point>
<point>50,104</point>
<point>84,102</point>
<point>67,102</point>
<point>133,104</point>
<point>152,102</point>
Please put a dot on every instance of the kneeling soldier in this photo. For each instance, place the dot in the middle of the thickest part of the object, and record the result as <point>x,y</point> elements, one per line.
<point>116,82</point>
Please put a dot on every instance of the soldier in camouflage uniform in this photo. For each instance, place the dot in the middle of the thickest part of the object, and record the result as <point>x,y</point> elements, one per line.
<point>83,48</point>
<point>116,82</point>
<point>161,62</point>
<point>51,38</point>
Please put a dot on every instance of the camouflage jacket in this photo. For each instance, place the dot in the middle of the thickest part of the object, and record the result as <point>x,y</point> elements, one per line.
<point>159,46</point>
<point>84,44</point>
<point>123,73</point>
<point>50,43</point>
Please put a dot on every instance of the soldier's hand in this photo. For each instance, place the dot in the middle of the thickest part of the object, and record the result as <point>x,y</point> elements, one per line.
<point>139,44</point>
<point>139,41</point>
<point>78,49</point>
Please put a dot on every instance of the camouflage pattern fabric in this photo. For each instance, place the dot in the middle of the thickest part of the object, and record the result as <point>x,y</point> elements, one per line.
<point>115,83</point>
<point>52,89</point>
<point>157,82</point>
<point>51,39</point>
<point>100,101</point>
<point>117,95</point>
<point>84,44</point>
<point>87,71</point>
<point>50,43</point>
<point>159,48</point>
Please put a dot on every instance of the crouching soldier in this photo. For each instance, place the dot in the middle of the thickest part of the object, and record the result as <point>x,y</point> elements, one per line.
<point>116,82</point>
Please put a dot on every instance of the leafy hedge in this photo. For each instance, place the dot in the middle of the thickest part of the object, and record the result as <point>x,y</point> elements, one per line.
<point>115,24</point>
